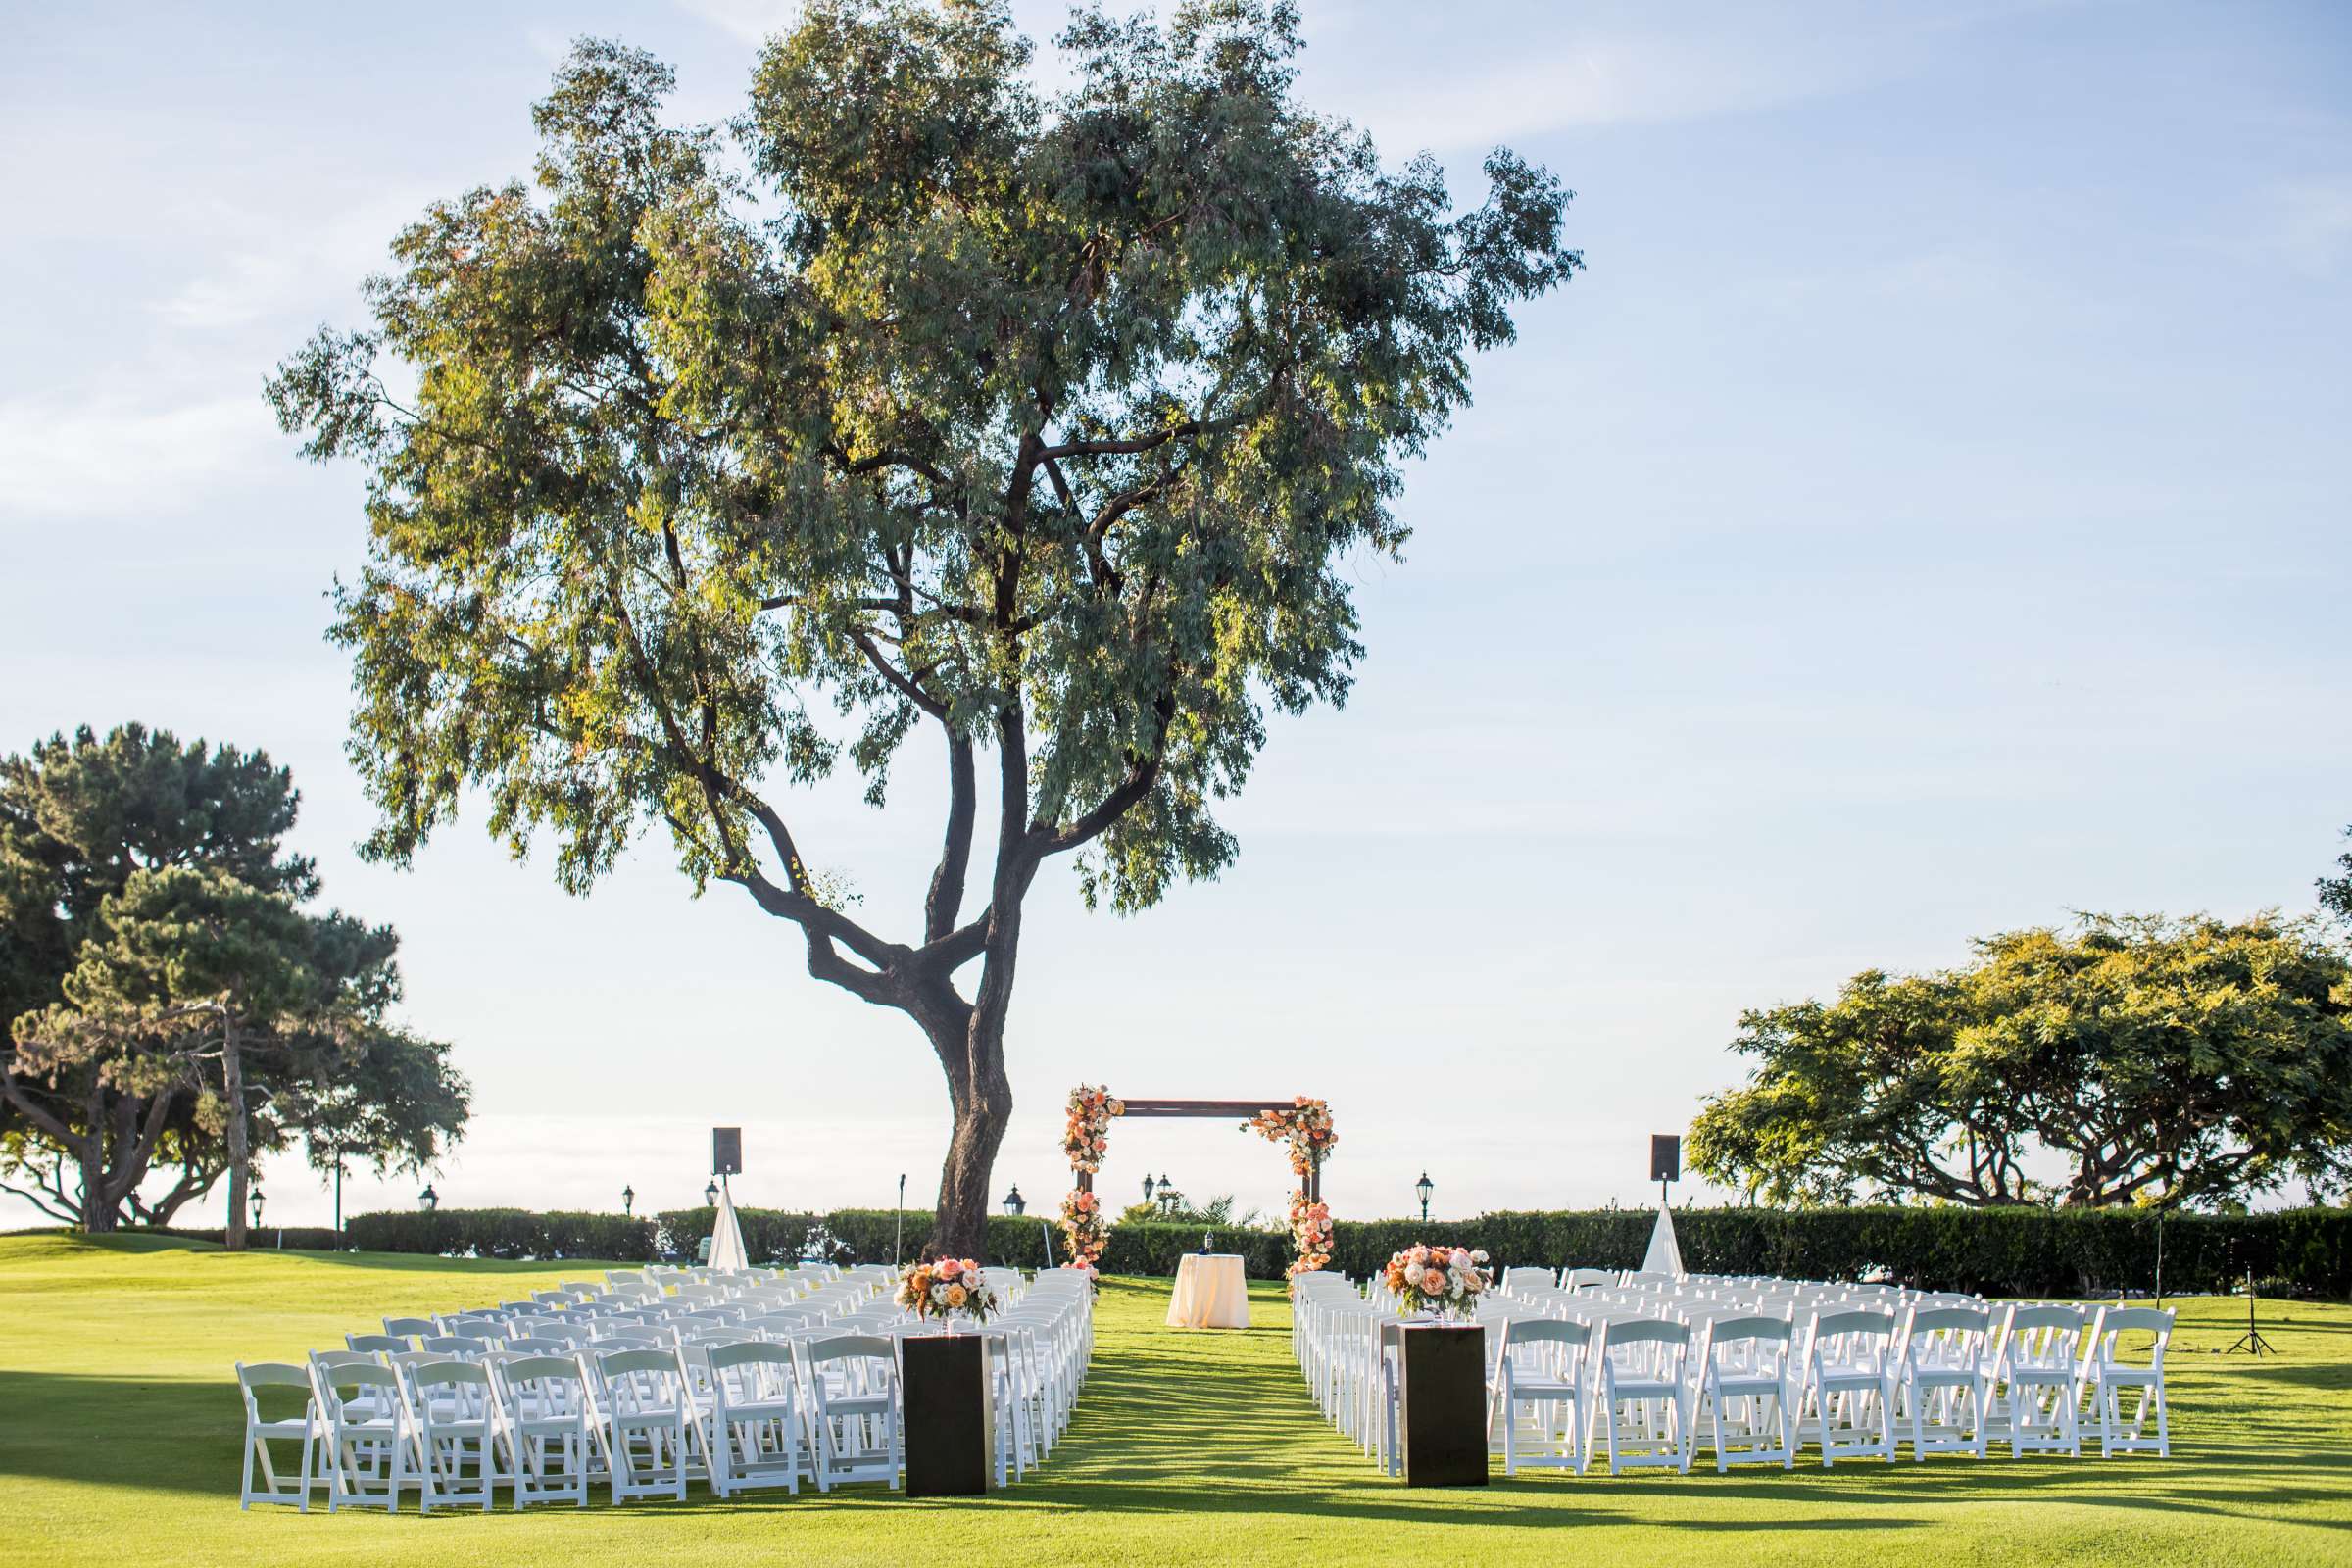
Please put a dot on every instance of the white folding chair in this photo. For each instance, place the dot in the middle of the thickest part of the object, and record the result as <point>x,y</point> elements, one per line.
<point>758,1434</point>
<point>2039,1376</point>
<point>1747,1393</point>
<point>852,1384</point>
<point>648,1417</point>
<point>1850,1379</point>
<point>262,1430</point>
<point>547,1427</point>
<point>454,1421</point>
<point>1539,1367</point>
<point>1946,1381</point>
<point>1638,1413</point>
<point>2106,1376</point>
<point>364,1420</point>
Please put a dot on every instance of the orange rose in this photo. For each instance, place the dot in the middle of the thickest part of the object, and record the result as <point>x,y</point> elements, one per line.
<point>956,1294</point>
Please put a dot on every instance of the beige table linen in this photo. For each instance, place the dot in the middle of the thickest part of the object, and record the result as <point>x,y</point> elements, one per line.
<point>1210,1293</point>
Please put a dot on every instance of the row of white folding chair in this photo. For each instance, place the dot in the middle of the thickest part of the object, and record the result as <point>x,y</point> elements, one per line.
<point>454,1429</point>
<point>1957,1378</point>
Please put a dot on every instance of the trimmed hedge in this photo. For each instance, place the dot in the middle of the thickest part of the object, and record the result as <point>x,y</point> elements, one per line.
<point>2000,1251</point>
<point>306,1238</point>
<point>854,1235</point>
<point>504,1233</point>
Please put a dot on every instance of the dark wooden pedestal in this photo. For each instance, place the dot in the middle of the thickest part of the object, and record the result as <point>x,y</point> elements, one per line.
<point>1442,1419</point>
<point>949,1427</point>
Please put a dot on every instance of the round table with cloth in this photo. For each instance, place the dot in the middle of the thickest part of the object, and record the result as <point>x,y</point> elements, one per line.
<point>1210,1293</point>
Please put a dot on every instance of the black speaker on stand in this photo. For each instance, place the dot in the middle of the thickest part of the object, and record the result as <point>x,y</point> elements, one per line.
<point>1665,1162</point>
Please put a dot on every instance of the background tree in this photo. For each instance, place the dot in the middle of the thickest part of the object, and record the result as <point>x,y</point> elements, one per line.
<point>2336,892</point>
<point>1048,428</point>
<point>2162,1061</point>
<point>78,817</point>
<point>271,1016</point>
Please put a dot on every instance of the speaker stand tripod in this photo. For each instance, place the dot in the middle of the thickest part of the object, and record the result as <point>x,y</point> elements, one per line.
<point>2251,1342</point>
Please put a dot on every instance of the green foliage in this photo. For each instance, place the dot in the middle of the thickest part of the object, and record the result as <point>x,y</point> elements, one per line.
<point>1218,1211</point>
<point>2011,1251</point>
<point>504,1233</point>
<point>1156,1249</point>
<point>1061,424</point>
<point>2173,1063</point>
<point>2336,892</point>
<point>82,1122</point>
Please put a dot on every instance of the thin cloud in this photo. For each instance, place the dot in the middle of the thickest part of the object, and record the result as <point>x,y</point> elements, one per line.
<point>106,456</point>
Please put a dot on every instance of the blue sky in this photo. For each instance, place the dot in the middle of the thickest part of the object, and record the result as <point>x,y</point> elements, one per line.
<point>1925,517</point>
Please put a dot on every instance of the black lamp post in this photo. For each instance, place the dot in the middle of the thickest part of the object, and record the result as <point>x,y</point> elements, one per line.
<point>254,1204</point>
<point>711,1196</point>
<point>1149,1185</point>
<point>1167,1193</point>
<point>628,1203</point>
<point>1014,1204</point>
<point>429,1199</point>
<point>1424,1187</point>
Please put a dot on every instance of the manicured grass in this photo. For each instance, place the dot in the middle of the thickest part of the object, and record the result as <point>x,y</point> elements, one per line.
<point>120,1425</point>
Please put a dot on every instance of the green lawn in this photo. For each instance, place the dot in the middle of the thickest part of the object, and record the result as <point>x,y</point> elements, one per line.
<point>119,1432</point>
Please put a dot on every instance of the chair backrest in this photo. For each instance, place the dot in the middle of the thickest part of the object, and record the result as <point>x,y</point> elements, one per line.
<point>434,1374</point>
<point>360,1378</point>
<point>1947,1319</point>
<point>850,1346</point>
<point>450,1344</point>
<point>378,1342</point>
<point>746,1353</point>
<point>531,1368</point>
<point>1750,1330</point>
<point>1545,1331</point>
<point>542,1344</point>
<point>2043,1335</point>
<point>414,1327</point>
<point>268,1375</point>
<point>1646,1331</point>
<point>2135,1320</point>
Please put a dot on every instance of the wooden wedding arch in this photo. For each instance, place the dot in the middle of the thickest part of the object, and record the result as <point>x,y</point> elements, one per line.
<point>1302,1122</point>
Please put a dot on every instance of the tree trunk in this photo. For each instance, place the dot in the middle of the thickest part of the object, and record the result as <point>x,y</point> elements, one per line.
<point>99,1213</point>
<point>232,1081</point>
<point>982,1101</point>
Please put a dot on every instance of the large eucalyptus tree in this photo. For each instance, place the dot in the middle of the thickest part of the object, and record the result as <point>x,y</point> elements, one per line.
<point>1048,423</point>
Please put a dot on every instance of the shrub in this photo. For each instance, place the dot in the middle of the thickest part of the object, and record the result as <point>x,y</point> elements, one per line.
<point>303,1238</point>
<point>504,1233</point>
<point>2000,1251</point>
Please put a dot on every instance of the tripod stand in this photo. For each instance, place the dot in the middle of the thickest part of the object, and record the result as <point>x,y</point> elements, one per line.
<point>2251,1342</point>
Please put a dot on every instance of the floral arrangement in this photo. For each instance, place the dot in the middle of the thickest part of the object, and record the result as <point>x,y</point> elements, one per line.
<point>1311,1233</point>
<point>1087,1134</point>
<point>1436,1279</point>
<point>1305,1124</point>
<point>1082,1227</point>
<point>945,1288</point>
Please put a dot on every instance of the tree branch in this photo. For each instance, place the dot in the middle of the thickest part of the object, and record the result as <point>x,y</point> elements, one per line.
<point>1142,774</point>
<point>946,896</point>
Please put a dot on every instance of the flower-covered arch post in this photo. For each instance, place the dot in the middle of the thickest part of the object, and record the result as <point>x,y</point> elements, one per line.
<point>1300,1123</point>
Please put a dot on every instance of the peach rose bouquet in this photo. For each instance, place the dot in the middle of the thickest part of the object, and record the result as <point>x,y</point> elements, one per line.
<point>1445,1280</point>
<point>946,1288</point>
